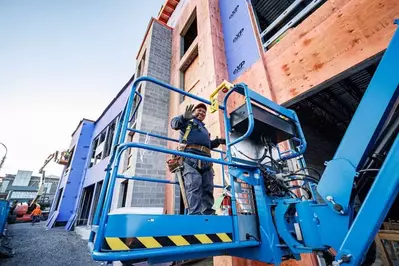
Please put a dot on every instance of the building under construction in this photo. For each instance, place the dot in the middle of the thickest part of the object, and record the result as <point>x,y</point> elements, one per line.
<point>315,57</point>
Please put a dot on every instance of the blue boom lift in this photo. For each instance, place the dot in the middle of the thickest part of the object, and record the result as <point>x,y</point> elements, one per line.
<point>279,223</point>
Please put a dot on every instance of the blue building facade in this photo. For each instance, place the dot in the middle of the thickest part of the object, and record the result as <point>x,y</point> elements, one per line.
<point>82,179</point>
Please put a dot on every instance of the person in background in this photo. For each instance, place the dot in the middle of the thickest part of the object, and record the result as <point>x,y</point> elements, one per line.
<point>36,214</point>
<point>197,175</point>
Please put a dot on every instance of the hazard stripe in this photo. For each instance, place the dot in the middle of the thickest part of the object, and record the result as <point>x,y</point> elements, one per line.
<point>165,241</point>
<point>115,243</point>
<point>214,238</point>
<point>192,240</point>
<point>149,242</point>
<point>179,240</point>
<point>224,237</point>
<point>133,243</point>
<point>204,239</point>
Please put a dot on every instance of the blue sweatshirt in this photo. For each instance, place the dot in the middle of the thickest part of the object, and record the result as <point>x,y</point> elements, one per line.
<point>199,135</point>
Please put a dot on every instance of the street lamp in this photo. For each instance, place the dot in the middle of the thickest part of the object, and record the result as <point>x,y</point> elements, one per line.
<point>4,157</point>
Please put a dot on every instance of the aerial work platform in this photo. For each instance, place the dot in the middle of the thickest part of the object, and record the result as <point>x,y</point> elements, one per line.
<point>159,238</point>
<point>289,212</point>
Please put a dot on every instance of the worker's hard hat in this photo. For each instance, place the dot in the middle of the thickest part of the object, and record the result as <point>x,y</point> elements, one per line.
<point>200,105</point>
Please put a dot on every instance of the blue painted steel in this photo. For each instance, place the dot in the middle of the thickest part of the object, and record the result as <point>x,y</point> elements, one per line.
<point>4,210</point>
<point>109,181</point>
<point>283,226</point>
<point>289,114</point>
<point>125,146</point>
<point>330,226</point>
<point>269,249</point>
<point>170,251</point>
<point>152,134</point>
<point>162,137</point>
<point>101,198</point>
<point>137,106</point>
<point>223,175</point>
<point>248,104</point>
<point>140,225</point>
<point>155,180</point>
<point>73,179</point>
<point>267,228</point>
<point>319,224</point>
<point>374,209</point>
<point>370,116</point>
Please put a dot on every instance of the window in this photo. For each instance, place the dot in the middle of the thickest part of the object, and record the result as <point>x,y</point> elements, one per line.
<point>133,120</point>
<point>189,64</point>
<point>189,33</point>
<point>47,187</point>
<point>123,193</point>
<point>275,17</point>
<point>98,153</point>
<point>110,138</point>
<point>70,157</point>
<point>59,196</point>
<point>102,144</point>
<point>4,186</point>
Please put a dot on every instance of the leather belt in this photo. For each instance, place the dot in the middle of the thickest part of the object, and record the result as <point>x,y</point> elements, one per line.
<point>199,148</point>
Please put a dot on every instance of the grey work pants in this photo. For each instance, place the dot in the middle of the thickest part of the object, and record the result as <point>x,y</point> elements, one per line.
<point>199,187</point>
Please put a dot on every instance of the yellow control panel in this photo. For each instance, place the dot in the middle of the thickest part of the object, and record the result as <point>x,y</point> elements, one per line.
<point>225,86</point>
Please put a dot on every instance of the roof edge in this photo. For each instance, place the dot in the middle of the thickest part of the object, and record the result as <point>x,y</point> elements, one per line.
<point>116,97</point>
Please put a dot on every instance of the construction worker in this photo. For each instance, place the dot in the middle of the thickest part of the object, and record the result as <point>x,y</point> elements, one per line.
<point>36,213</point>
<point>197,175</point>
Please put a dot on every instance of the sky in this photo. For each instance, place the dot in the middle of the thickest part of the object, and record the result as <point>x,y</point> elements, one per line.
<point>61,61</point>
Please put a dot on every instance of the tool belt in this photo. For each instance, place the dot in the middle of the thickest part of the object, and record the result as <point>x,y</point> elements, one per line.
<point>175,162</point>
<point>199,148</point>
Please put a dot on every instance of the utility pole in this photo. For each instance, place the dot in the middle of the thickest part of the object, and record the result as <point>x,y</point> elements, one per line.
<point>4,157</point>
<point>44,187</point>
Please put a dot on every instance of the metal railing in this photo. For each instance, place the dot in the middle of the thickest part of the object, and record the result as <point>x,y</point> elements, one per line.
<point>119,146</point>
<point>101,214</point>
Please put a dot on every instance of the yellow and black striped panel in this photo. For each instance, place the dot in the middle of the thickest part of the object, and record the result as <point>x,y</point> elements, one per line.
<point>117,243</point>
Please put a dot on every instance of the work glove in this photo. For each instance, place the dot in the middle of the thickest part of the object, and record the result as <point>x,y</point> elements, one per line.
<point>222,141</point>
<point>188,114</point>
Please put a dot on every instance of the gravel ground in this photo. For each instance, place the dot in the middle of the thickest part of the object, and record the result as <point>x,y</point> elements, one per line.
<point>34,246</point>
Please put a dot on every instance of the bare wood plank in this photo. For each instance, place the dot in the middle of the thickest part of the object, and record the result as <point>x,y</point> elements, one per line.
<point>384,254</point>
<point>389,235</point>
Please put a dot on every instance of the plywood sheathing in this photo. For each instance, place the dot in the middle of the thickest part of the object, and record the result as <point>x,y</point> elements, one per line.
<point>339,35</point>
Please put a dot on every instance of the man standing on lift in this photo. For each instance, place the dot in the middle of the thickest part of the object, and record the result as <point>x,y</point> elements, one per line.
<point>198,175</point>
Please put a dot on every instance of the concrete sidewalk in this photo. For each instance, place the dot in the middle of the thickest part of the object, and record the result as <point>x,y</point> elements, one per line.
<point>36,246</point>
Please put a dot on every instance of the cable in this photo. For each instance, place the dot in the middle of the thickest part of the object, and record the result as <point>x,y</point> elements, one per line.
<point>305,189</point>
<point>306,176</point>
<point>259,160</point>
<point>249,236</point>
<point>309,168</point>
<point>272,182</point>
<point>252,159</point>
<point>369,170</point>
